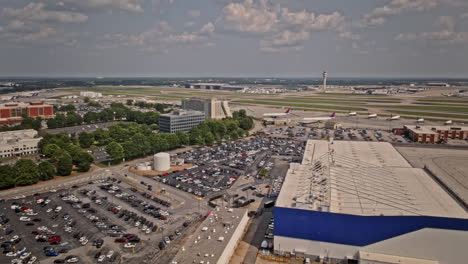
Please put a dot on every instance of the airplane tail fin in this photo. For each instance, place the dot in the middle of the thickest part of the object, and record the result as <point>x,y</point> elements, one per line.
<point>288,111</point>
<point>332,115</point>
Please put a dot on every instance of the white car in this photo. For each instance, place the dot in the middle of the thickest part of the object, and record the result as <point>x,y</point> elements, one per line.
<point>58,209</point>
<point>11,254</point>
<point>110,254</point>
<point>101,258</point>
<point>72,260</point>
<point>25,219</point>
<point>84,242</point>
<point>49,210</point>
<point>129,245</point>
<point>32,260</point>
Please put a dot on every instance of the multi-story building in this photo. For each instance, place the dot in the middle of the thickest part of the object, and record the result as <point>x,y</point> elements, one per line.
<point>362,202</point>
<point>11,113</point>
<point>434,134</point>
<point>18,143</point>
<point>180,121</point>
<point>213,108</point>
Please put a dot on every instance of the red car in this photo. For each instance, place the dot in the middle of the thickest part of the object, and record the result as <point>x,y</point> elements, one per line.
<point>24,208</point>
<point>121,240</point>
<point>54,239</point>
<point>36,233</point>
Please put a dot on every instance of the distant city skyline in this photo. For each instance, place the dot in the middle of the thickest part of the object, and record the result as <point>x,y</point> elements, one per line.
<point>234,38</point>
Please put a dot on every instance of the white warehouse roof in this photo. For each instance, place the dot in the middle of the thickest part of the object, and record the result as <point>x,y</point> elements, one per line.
<point>363,178</point>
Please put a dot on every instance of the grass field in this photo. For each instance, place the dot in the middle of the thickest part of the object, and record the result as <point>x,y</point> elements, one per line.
<point>328,107</point>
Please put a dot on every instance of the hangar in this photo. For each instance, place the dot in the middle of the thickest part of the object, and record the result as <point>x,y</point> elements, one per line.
<point>362,202</point>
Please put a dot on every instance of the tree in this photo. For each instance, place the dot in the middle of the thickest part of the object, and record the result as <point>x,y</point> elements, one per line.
<point>115,152</point>
<point>209,139</point>
<point>86,139</point>
<point>64,164</point>
<point>129,102</point>
<point>52,123</point>
<point>7,177</point>
<point>47,171</point>
<point>83,161</point>
<point>90,117</point>
<point>183,137</point>
<point>263,173</point>
<point>26,172</point>
<point>50,149</point>
<point>86,100</point>
<point>73,150</point>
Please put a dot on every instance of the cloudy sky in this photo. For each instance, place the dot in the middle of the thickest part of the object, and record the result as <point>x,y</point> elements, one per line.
<point>280,38</point>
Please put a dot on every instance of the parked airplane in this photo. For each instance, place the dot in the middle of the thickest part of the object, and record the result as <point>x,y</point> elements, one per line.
<point>394,118</point>
<point>352,113</point>
<point>449,122</point>
<point>372,116</point>
<point>310,120</point>
<point>277,114</point>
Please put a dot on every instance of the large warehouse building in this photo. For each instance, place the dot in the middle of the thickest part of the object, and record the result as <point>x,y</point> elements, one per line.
<point>362,202</point>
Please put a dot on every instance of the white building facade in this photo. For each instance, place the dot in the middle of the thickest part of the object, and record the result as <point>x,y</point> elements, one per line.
<point>18,143</point>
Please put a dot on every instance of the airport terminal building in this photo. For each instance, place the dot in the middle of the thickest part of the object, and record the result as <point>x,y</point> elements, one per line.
<point>362,202</point>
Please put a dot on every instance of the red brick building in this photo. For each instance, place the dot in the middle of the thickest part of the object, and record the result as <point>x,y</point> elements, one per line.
<point>11,113</point>
<point>434,134</point>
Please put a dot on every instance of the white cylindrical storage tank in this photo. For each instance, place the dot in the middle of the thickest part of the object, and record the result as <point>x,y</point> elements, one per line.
<point>162,161</point>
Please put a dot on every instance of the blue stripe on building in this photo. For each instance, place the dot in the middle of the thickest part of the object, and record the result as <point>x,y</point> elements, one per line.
<point>354,230</point>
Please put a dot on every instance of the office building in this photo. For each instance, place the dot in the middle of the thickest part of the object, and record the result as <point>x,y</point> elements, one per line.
<point>213,108</point>
<point>436,134</point>
<point>18,143</point>
<point>11,113</point>
<point>180,121</point>
<point>362,202</point>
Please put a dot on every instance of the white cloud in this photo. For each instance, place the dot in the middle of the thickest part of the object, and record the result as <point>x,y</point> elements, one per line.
<point>448,34</point>
<point>396,7</point>
<point>208,28</point>
<point>38,12</point>
<point>157,39</point>
<point>286,40</point>
<point>127,5</point>
<point>279,27</point>
<point>379,15</point>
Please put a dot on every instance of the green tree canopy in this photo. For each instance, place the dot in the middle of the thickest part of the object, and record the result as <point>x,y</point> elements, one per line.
<point>26,172</point>
<point>47,171</point>
<point>115,151</point>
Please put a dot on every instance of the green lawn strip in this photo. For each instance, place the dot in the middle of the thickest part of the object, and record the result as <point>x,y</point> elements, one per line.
<point>290,100</point>
<point>428,114</point>
<point>294,108</point>
<point>379,97</point>
<point>329,107</point>
<point>444,100</point>
<point>422,107</point>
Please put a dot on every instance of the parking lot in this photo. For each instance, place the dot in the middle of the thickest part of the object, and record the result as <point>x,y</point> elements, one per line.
<point>353,134</point>
<point>105,221</point>
<point>217,168</point>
